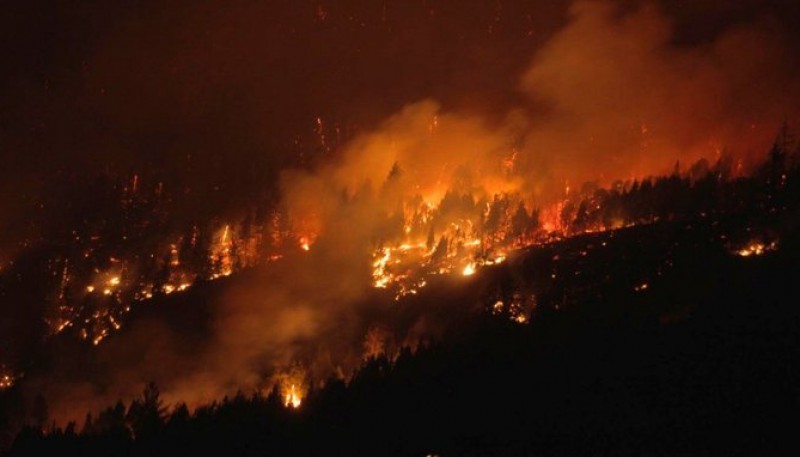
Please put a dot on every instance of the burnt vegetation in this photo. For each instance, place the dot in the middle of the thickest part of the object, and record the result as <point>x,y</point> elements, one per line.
<point>675,335</point>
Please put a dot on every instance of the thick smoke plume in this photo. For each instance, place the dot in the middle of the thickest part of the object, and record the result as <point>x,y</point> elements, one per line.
<point>619,92</point>
<point>611,96</point>
<point>623,100</point>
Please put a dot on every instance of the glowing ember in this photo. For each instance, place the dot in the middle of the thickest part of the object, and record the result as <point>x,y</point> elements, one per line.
<point>756,248</point>
<point>97,339</point>
<point>6,382</point>
<point>518,310</point>
<point>62,325</point>
<point>498,306</point>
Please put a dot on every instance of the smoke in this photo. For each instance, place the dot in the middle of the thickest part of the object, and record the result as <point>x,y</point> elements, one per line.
<point>618,92</point>
<point>623,100</point>
<point>613,95</point>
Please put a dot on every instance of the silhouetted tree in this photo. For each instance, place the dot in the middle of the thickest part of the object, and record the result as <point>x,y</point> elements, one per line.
<point>520,223</point>
<point>146,414</point>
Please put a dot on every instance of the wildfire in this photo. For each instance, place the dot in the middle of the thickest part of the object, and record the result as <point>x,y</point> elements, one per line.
<point>381,278</point>
<point>221,254</point>
<point>291,385</point>
<point>292,397</point>
<point>469,270</point>
<point>459,234</point>
<point>756,248</point>
<point>63,324</point>
<point>519,309</point>
<point>175,260</point>
<point>375,342</point>
<point>6,380</point>
<point>475,232</point>
<point>100,337</point>
<point>434,231</point>
<point>93,300</point>
<point>170,288</point>
<point>498,306</point>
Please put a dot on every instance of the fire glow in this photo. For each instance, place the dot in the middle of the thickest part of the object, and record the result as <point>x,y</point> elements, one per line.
<point>756,248</point>
<point>6,380</point>
<point>292,398</point>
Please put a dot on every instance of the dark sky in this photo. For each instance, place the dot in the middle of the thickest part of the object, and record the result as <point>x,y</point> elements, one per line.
<point>224,93</point>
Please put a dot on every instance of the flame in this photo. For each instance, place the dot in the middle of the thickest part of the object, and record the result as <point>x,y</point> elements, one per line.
<point>175,260</point>
<point>476,232</point>
<point>100,337</point>
<point>756,248</point>
<point>519,309</point>
<point>124,284</point>
<point>170,288</point>
<point>292,397</point>
<point>220,256</point>
<point>380,277</point>
<point>375,342</point>
<point>469,270</point>
<point>498,306</point>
